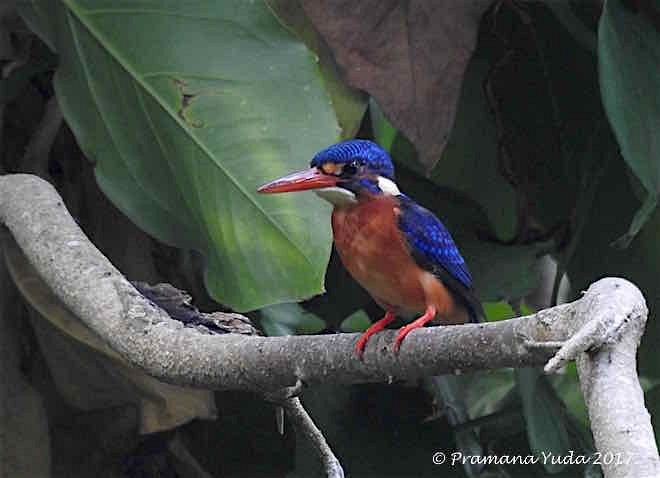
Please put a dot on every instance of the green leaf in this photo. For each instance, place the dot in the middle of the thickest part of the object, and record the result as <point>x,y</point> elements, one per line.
<point>273,328</point>
<point>544,417</point>
<point>488,390</point>
<point>648,384</point>
<point>629,67</point>
<point>498,311</point>
<point>349,103</point>
<point>185,110</point>
<point>310,324</point>
<point>503,272</point>
<point>526,309</point>
<point>358,321</point>
<point>568,389</point>
<point>289,319</point>
<point>384,132</point>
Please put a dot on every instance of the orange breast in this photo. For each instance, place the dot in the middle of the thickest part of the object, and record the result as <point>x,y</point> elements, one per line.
<point>373,250</point>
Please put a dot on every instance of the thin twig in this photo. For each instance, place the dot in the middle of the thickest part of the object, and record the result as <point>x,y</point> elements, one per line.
<point>305,426</point>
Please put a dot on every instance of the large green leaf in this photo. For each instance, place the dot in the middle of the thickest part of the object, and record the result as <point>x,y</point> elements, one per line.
<point>358,321</point>
<point>629,67</point>
<point>349,103</point>
<point>186,107</point>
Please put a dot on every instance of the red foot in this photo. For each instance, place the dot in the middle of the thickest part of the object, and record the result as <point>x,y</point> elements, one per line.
<point>428,316</point>
<point>374,329</point>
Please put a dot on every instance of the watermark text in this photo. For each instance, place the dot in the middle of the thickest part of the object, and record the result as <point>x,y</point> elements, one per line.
<point>545,458</point>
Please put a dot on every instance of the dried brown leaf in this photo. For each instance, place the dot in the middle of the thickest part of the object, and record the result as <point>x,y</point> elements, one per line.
<point>409,55</point>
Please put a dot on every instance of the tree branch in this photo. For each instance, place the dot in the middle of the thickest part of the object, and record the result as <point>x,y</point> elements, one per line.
<point>304,424</point>
<point>287,399</point>
<point>602,329</point>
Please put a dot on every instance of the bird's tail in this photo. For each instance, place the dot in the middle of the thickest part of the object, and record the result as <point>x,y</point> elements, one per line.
<point>474,308</point>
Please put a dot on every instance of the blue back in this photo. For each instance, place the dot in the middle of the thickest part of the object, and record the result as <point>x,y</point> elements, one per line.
<point>430,242</point>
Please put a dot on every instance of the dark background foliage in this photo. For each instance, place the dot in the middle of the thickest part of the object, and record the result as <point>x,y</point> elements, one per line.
<point>530,128</point>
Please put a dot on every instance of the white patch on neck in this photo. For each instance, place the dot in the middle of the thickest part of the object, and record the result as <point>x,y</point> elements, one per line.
<point>388,186</point>
<point>337,196</point>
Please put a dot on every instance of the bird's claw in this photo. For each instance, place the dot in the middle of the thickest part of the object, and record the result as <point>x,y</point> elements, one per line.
<point>399,338</point>
<point>360,345</point>
<point>374,329</point>
<point>428,316</point>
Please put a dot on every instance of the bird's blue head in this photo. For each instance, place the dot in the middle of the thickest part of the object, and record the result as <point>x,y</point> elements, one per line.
<point>342,172</point>
<point>356,157</point>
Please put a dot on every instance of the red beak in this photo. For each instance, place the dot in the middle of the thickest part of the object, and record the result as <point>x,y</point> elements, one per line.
<point>304,180</point>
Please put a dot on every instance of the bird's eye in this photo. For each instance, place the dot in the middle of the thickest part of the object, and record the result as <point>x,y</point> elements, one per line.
<point>351,168</point>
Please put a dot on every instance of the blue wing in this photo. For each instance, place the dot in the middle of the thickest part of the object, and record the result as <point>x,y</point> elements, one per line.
<point>430,243</point>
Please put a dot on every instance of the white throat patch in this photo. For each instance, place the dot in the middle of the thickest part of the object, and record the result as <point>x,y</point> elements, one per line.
<point>343,197</point>
<point>388,186</point>
<point>337,196</point>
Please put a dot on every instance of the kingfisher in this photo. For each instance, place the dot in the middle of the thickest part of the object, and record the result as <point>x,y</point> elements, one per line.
<point>400,252</point>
